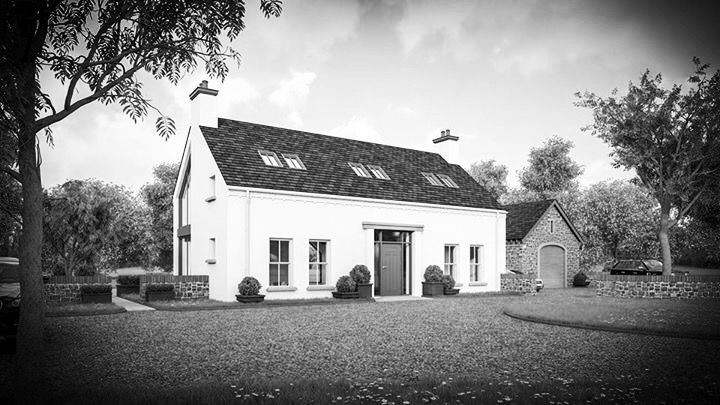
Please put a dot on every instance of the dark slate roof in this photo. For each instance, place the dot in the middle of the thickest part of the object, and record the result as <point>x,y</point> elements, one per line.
<point>235,146</point>
<point>521,218</point>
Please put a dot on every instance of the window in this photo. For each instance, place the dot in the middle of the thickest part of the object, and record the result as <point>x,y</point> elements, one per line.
<point>211,251</point>
<point>211,189</point>
<point>447,180</point>
<point>294,162</point>
<point>552,226</point>
<point>432,179</point>
<point>378,172</point>
<point>279,262</point>
<point>270,158</point>
<point>476,263</point>
<point>318,262</point>
<point>451,260</point>
<point>359,169</point>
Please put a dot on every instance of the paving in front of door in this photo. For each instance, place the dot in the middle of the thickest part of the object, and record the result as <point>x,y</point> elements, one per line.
<point>396,298</point>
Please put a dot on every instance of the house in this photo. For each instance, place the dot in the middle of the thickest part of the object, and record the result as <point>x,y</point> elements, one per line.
<point>297,210</point>
<point>542,241</point>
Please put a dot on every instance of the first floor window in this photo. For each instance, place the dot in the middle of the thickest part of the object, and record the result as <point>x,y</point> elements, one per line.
<point>279,262</point>
<point>318,262</point>
<point>451,260</point>
<point>476,263</point>
<point>211,249</point>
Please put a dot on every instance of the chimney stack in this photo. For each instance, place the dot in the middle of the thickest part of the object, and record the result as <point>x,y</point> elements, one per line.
<point>447,147</point>
<point>203,106</point>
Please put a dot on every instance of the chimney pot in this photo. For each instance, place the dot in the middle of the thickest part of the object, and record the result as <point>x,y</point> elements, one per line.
<point>204,84</point>
<point>442,133</point>
<point>447,132</point>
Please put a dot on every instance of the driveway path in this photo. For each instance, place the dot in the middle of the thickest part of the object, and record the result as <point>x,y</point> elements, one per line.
<point>130,306</point>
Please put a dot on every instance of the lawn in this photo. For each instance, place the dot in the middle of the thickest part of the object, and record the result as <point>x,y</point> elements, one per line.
<point>460,349</point>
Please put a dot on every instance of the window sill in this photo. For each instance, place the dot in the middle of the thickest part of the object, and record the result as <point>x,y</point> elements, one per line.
<point>477,283</point>
<point>211,198</point>
<point>320,287</point>
<point>280,288</point>
<point>210,261</point>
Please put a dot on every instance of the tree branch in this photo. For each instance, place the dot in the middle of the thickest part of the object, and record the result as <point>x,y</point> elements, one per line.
<point>12,173</point>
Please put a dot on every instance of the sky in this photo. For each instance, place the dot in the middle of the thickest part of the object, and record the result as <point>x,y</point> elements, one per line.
<point>501,75</point>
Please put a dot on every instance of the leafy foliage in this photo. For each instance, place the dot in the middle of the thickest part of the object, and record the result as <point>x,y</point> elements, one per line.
<point>551,169</point>
<point>160,287</point>
<point>345,284</point>
<point>95,288</point>
<point>249,286</point>
<point>128,280</point>
<point>448,281</point>
<point>433,274</point>
<point>158,198</point>
<point>360,274</point>
<point>492,176</point>
<point>580,279</point>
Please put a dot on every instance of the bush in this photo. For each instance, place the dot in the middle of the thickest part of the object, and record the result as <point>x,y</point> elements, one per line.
<point>345,284</point>
<point>128,280</point>
<point>160,287</point>
<point>433,274</point>
<point>580,279</point>
<point>360,274</point>
<point>95,288</point>
<point>448,281</point>
<point>249,286</point>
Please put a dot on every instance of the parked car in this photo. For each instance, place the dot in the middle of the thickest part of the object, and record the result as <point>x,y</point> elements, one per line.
<point>638,267</point>
<point>539,285</point>
<point>9,298</point>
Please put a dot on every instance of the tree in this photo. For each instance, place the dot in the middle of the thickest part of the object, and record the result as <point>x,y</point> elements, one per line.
<point>158,198</point>
<point>95,50</point>
<point>490,175</point>
<point>551,169</point>
<point>670,137</point>
<point>10,204</point>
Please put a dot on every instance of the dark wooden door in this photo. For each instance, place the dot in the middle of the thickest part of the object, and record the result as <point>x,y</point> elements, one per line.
<point>391,269</point>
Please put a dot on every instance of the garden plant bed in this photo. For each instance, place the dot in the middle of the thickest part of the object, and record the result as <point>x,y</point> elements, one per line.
<point>83,309</point>
<point>477,352</point>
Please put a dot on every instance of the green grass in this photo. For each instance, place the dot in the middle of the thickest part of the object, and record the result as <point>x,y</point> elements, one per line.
<point>673,317</point>
<point>82,309</point>
<point>209,304</point>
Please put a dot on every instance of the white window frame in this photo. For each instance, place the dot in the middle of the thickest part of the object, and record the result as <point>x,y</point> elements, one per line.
<point>378,172</point>
<point>211,251</point>
<point>325,264</point>
<point>450,266</point>
<point>447,180</point>
<point>477,267</point>
<point>359,169</point>
<point>270,158</point>
<point>280,262</point>
<point>293,161</point>
<point>432,179</point>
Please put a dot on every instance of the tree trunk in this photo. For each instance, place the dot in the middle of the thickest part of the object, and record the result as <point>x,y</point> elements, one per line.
<point>30,359</point>
<point>664,239</point>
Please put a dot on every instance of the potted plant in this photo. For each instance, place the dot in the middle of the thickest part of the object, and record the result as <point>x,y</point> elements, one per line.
<point>345,288</point>
<point>128,285</point>
<point>432,286</point>
<point>449,285</point>
<point>361,276</point>
<point>249,288</point>
<point>95,293</point>
<point>159,292</point>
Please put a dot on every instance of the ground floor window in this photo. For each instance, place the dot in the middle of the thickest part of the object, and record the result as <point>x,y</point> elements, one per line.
<point>476,262</point>
<point>318,262</point>
<point>451,260</point>
<point>279,262</point>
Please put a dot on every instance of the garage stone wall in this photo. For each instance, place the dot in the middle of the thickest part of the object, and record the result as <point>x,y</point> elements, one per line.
<point>186,287</point>
<point>63,290</point>
<point>624,286</point>
<point>522,283</point>
<point>523,256</point>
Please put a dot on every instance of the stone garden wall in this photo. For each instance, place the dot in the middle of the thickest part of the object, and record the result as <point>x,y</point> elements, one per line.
<point>186,287</point>
<point>657,286</point>
<point>522,283</point>
<point>62,290</point>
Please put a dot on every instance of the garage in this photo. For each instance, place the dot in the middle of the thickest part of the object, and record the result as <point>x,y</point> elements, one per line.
<point>552,266</point>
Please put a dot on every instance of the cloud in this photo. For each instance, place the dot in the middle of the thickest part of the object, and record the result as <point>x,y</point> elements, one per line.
<point>292,93</point>
<point>358,128</point>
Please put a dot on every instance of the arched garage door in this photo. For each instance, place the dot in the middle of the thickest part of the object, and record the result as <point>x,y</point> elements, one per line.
<point>552,266</point>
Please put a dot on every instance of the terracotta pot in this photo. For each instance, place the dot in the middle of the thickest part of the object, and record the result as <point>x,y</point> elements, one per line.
<point>249,298</point>
<point>451,291</point>
<point>346,295</point>
<point>432,288</point>
<point>365,290</point>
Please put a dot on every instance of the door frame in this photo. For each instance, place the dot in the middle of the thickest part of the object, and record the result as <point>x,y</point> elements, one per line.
<point>565,267</point>
<point>406,276</point>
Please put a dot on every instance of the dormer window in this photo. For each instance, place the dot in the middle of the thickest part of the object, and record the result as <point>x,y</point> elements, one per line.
<point>430,177</point>
<point>294,162</point>
<point>378,172</point>
<point>270,158</point>
<point>359,169</point>
<point>447,180</point>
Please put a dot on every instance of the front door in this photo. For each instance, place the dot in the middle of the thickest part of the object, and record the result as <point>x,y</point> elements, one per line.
<point>391,269</point>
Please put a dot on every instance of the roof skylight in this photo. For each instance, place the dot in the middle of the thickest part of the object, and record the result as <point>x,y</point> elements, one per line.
<point>270,158</point>
<point>378,172</point>
<point>294,162</point>
<point>447,180</point>
<point>432,178</point>
<point>359,169</point>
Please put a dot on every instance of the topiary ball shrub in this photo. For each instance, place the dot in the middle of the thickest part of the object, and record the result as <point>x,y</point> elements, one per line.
<point>249,286</point>
<point>448,281</point>
<point>345,284</point>
<point>433,274</point>
<point>580,280</point>
<point>360,274</point>
<point>95,288</point>
<point>128,280</point>
<point>160,287</point>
